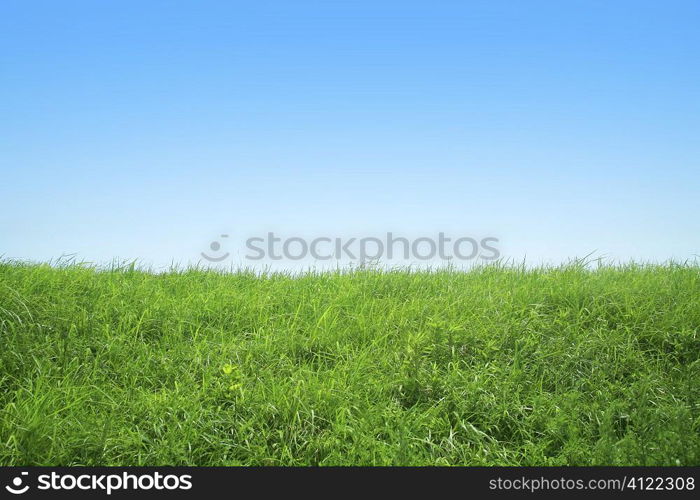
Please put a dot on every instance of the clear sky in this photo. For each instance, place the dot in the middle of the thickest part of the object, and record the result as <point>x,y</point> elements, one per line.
<point>147,129</point>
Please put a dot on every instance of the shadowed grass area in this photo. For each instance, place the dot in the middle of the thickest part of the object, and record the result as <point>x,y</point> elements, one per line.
<point>497,365</point>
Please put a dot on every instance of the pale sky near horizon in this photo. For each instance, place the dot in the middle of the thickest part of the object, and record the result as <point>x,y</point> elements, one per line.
<point>145,130</point>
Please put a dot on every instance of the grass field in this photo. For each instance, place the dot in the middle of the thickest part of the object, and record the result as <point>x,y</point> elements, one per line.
<point>494,366</point>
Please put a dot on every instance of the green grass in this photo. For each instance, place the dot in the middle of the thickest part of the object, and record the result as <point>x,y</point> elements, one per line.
<point>498,366</point>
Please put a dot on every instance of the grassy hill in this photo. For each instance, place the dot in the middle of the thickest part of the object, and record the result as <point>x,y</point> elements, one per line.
<point>494,366</point>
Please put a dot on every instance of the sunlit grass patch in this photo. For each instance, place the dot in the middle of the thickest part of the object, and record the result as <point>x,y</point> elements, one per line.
<point>494,366</point>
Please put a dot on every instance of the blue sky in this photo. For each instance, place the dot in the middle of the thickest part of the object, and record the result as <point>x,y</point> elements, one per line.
<point>147,129</point>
